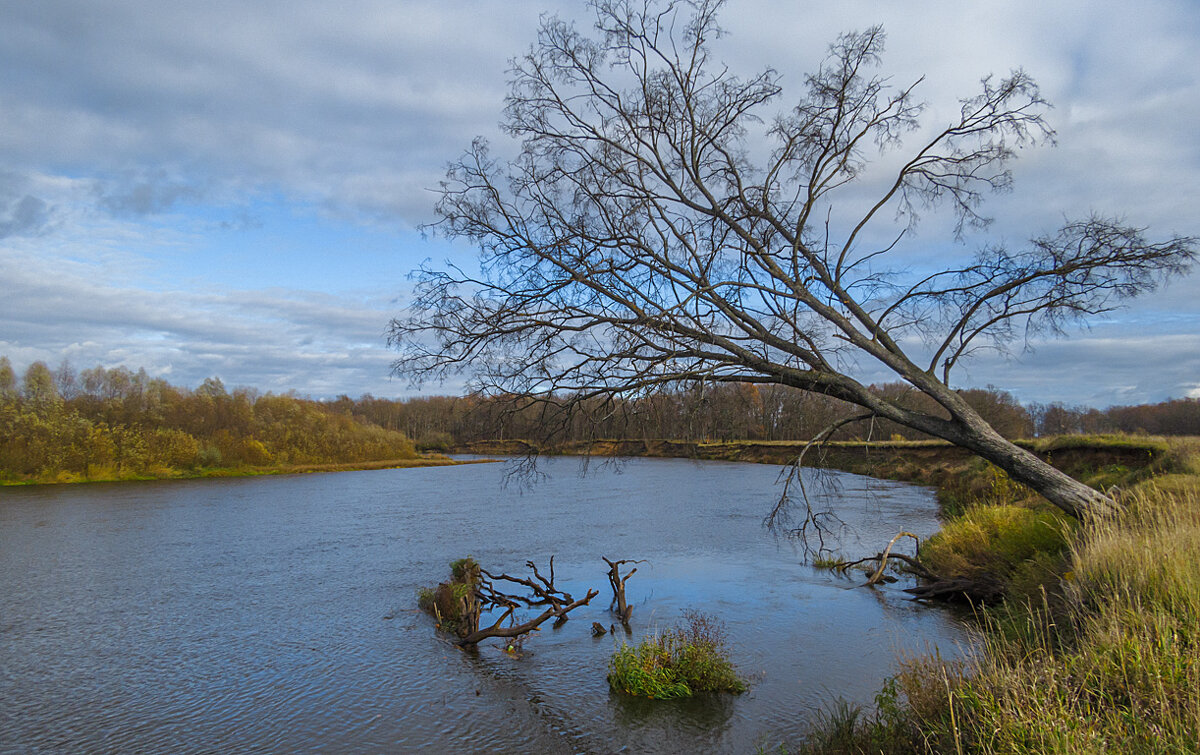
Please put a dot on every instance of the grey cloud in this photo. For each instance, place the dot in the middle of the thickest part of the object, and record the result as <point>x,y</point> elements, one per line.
<point>142,195</point>
<point>21,213</point>
<point>327,104</point>
<point>26,216</point>
<point>359,106</point>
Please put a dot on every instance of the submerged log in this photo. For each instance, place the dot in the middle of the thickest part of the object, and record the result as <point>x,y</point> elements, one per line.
<point>958,589</point>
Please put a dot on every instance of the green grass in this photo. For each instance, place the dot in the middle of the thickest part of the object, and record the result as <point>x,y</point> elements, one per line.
<point>680,662</point>
<point>827,561</point>
<point>1000,544</point>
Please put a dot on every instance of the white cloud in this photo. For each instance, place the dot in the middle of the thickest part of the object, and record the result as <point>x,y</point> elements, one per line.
<point>118,114</point>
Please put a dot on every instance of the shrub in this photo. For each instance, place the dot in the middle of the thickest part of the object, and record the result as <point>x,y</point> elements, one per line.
<point>647,670</point>
<point>454,604</point>
<point>992,543</point>
<point>688,659</point>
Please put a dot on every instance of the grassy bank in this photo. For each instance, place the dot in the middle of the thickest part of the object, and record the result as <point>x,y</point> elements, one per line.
<point>167,473</point>
<point>1095,647</point>
<point>1105,659</point>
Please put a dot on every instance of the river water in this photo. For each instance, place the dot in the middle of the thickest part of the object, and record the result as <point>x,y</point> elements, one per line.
<point>278,614</point>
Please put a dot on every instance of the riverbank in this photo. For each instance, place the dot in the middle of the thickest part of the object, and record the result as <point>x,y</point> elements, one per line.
<point>1099,655</point>
<point>245,471</point>
<point>960,476</point>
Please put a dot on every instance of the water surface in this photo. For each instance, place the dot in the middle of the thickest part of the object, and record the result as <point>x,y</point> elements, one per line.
<point>277,614</point>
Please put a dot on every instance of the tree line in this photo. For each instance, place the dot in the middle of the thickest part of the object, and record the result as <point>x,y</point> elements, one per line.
<point>111,423</point>
<point>99,422</point>
<point>720,412</point>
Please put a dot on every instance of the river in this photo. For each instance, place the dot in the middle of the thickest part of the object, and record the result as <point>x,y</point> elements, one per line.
<point>278,614</point>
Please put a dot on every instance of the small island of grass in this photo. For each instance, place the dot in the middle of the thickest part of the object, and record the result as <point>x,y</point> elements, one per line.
<point>680,662</point>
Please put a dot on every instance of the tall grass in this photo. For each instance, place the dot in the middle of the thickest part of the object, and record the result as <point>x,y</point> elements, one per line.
<point>1105,660</point>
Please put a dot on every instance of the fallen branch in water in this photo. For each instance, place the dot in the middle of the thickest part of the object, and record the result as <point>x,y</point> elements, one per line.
<point>881,559</point>
<point>557,610</point>
<point>539,591</point>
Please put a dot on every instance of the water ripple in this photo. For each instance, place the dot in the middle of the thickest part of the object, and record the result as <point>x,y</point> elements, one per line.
<point>277,614</point>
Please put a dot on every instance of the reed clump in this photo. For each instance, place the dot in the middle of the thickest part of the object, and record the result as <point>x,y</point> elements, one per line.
<point>686,660</point>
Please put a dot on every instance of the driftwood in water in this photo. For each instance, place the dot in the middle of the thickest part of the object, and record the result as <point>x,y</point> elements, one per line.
<point>958,589</point>
<point>558,610</point>
<point>935,587</point>
<point>541,592</point>
<point>913,565</point>
<point>623,609</point>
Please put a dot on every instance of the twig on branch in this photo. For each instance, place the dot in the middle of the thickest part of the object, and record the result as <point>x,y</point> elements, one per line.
<point>543,589</point>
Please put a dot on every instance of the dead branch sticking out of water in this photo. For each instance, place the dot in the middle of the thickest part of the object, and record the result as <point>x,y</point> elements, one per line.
<point>913,566</point>
<point>498,629</point>
<point>624,610</point>
<point>541,592</point>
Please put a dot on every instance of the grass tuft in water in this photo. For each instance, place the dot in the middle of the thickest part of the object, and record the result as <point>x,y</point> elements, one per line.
<point>689,659</point>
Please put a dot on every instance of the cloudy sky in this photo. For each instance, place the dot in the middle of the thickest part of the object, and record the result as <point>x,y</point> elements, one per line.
<point>234,188</point>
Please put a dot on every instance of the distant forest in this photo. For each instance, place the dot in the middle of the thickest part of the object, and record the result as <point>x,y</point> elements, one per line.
<point>108,423</point>
<point>115,423</point>
<point>701,412</point>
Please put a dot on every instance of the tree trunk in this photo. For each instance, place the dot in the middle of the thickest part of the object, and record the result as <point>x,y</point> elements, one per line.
<point>1072,496</point>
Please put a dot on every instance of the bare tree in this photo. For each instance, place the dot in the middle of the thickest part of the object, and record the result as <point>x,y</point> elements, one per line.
<point>665,222</point>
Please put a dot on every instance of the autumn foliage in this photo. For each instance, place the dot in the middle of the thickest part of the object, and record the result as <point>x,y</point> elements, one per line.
<point>115,423</point>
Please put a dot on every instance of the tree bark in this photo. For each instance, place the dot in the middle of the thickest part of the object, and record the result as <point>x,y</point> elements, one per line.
<point>1072,496</point>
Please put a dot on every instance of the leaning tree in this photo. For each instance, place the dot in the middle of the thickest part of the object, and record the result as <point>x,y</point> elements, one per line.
<point>665,221</point>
